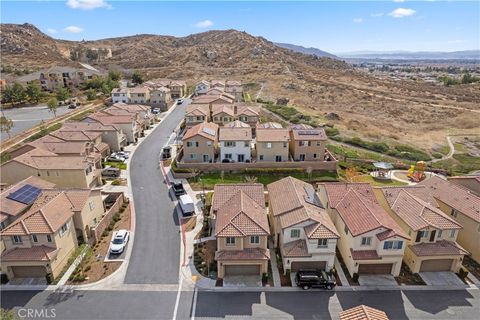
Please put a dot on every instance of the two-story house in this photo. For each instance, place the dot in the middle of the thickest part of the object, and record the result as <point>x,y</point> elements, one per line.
<point>202,87</point>
<point>217,84</point>
<point>112,136</point>
<point>196,113</point>
<point>222,114</point>
<point>120,95</point>
<point>139,95</point>
<point>470,182</point>
<point>234,87</point>
<point>462,205</point>
<point>248,114</point>
<point>213,99</point>
<point>307,143</point>
<point>160,97</point>
<point>241,229</point>
<point>302,229</point>
<point>235,144</point>
<point>371,242</point>
<point>433,234</point>
<point>177,88</point>
<point>272,145</point>
<point>40,242</point>
<point>126,123</point>
<point>199,143</point>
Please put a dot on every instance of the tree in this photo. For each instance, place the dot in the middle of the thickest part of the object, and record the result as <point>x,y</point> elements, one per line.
<point>137,77</point>
<point>6,125</point>
<point>62,94</point>
<point>114,75</point>
<point>14,93</point>
<point>91,94</point>
<point>33,92</point>
<point>52,106</point>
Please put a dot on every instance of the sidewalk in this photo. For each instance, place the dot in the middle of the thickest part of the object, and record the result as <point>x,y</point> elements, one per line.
<point>340,273</point>
<point>273,263</point>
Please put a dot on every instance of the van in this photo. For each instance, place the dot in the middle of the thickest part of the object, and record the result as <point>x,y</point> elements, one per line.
<point>187,205</point>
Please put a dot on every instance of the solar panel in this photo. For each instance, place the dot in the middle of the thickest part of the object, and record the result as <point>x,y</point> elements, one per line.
<point>308,133</point>
<point>209,131</point>
<point>26,194</point>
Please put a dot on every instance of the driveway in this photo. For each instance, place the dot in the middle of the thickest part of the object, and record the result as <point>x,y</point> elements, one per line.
<point>155,256</point>
<point>242,281</point>
<point>374,280</point>
<point>441,278</point>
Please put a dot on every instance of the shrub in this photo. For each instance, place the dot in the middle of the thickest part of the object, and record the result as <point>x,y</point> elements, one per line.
<point>274,170</point>
<point>462,273</point>
<point>116,182</point>
<point>332,132</point>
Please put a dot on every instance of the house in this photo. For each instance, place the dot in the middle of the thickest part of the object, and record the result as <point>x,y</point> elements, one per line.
<point>241,229</point>
<point>127,123</point>
<point>222,114</point>
<point>143,113</point>
<point>470,182</point>
<point>217,84</point>
<point>307,143</point>
<point>371,242</point>
<point>248,114</point>
<point>363,312</point>
<point>272,145</point>
<point>302,229</point>
<point>196,113</point>
<point>463,206</point>
<point>235,89</point>
<point>111,135</point>
<point>269,125</point>
<point>139,95</point>
<point>120,95</point>
<point>235,144</point>
<point>40,242</point>
<point>202,87</point>
<point>64,171</point>
<point>199,143</point>
<point>215,92</point>
<point>160,97</point>
<point>212,100</point>
<point>433,245</point>
<point>177,88</point>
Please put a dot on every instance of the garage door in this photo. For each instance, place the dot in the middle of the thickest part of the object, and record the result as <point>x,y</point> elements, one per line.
<point>236,270</point>
<point>29,272</point>
<point>305,265</point>
<point>436,265</point>
<point>381,268</point>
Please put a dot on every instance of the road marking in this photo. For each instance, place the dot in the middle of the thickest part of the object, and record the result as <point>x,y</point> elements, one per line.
<point>194,306</point>
<point>178,299</point>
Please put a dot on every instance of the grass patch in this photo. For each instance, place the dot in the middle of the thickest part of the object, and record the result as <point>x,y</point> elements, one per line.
<point>459,147</point>
<point>119,165</point>
<point>43,132</point>
<point>290,114</point>
<point>379,183</point>
<point>444,150</point>
<point>459,164</point>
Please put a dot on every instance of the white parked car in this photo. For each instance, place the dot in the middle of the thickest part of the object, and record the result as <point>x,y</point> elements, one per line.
<point>123,154</point>
<point>179,101</point>
<point>119,241</point>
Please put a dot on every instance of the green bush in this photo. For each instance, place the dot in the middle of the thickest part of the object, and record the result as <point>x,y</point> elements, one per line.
<point>332,132</point>
<point>273,170</point>
<point>462,273</point>
<point>116,182</point>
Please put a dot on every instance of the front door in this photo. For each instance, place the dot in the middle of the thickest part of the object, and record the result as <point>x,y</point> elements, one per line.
<point>302,157</point>
<point>432,235</point>
<point>278,158</point>
<point>241,158</point>
<point>205,158</point>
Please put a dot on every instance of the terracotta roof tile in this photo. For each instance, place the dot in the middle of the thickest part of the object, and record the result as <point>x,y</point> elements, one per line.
<point>237,124</point>
<point>247,111</point>
<point>197,110</point>
<point>272,135</point>
<point>235,134</point>
<point>363,312</point>
<point>364,254</point>
<point>245,254</point>
<point>269,125</point>
<point>222,108</point>
<point>35,253</point>
<point>203,129</point>
<point>43,159</point>
<point>439,248</point>
<point>297,248</point>
<point>223,192</point>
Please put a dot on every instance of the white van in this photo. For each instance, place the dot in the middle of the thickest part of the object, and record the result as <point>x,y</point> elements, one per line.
<point>187,205</point>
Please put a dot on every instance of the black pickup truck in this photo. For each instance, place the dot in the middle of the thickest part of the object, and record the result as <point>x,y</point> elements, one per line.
<point>178,189</point>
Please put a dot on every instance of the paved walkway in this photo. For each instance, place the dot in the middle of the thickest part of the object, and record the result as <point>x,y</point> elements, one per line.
<point>340,273</point>
<point>273,263</point>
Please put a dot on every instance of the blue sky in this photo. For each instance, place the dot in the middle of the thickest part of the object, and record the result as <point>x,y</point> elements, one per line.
<point>334,26</point>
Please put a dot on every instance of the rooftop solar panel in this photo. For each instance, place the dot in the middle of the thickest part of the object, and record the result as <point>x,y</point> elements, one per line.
<point>26,194</point>
<point>308,133</point>
<point>209,131</point>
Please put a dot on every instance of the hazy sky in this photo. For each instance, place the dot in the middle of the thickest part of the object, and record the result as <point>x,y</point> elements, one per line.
<point>334,26</point>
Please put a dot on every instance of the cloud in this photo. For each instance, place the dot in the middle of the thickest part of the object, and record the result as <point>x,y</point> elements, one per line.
<point>402,12</point>
<point>358,20</point>
<point>87,4</point>
<point>52,31</point>
<point>379,14</point>
<point>73,29</point>
<point>204,24</point>
<point>398,0</point>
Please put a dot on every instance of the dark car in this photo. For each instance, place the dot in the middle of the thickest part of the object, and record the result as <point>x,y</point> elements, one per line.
<point>72,106</point>
<point>178,189</point>
<point>313,278</point>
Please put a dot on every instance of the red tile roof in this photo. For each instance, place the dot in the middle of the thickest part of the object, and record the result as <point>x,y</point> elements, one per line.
<point>235,134</point>
<point>364,254</point>
<point>202,129</point>
<point>245,254</point>
<point>35,253</point>
<point>272,135</point>
<point>363,312</point>
<point>297,248</point>
<point>223,192</point>
<point>439,248</point>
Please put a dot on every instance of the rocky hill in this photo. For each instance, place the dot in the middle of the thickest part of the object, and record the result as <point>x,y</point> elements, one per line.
<point>301,49</point>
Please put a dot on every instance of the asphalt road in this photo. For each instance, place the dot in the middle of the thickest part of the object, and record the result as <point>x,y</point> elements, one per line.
<point>28,117</point>
<point>458,304</point>
<point>155,256</point>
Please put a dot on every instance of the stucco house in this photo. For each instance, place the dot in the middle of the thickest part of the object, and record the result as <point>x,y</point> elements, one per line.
<point>470,182</point>
<point>196,113</point>
<point>222,114</point>
<point>120,95</point>
<point>199,143</point>
<point>272,145</point>
<point>301,227</point>
<point>139,95</point>
<point>433,245</point>
<point>235,144</point>
<point>307,143</point>
<point>371,242</point>
<point>111,135</point>
<point>177,88</point>
<point>241,229</point>
<point>160,97</point>
<point>202,87</point>
<point>127,123</point>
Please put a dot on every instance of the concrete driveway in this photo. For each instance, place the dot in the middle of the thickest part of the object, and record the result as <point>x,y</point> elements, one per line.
<point>375,280</point>
<point>242,281</point>
<point>441,278</point>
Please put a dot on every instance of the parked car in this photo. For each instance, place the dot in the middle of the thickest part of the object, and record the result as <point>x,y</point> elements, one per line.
<point>111,172</point>
<point>187,205</point>
<point>178,189</point>
<point>166,153</point>
<point>115,158</point>
<point>72,106</point>
<point>156,110</point>
<point>119,241</point>
<point>227,161</point>
<point>123,154</point>
<point>179,101</point>
<point>313,278</point>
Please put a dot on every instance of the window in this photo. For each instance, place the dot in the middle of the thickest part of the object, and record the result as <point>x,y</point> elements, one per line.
<point>244,119</point>
<point>322,243</point>
<point>439,233</point>
<point>63,229</point>
<point>17,239</point>
<point>366,241</point>
<point>230,241</point>
<point>392,245</point>
<point>284,144</point>
<point>315,156</point>
<point>303,143</point>
<point>453,213</point>
<point>91,204</point>
<point>229,143</point>
<point>196,144</point>
<point>49,238</point>
<point>295,233</point>
<point>247,144</point>
<point>34,238</point>
<point>255,239</point>
<point>209,143</point>
<point>318,143</point>
<point>452,234</point>
<point>228,156</point>
<point>193,156</point>
<point>260,157</point>
<point>268,145</point>
<point>189,143</point>
<point>345,229</point>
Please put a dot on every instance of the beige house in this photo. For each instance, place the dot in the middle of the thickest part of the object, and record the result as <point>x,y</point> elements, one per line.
<point>371,242</point>
<point>139,95</point>
<point>247,114</point>
<point>199,143</point>
<point>213,99</point>
<point>307,143</point>
<point>463,206</point>
<point>160,97</point>
<point>234,87</point>
<point>222,114</point>
<point>217,84</point>
<point>301,227</point>
<point>177,88</point>
<point>111,135</point>
<point>433,245</point>
<point>196,113</point>
<point>241,229</point>
<point>64,171</point>
<point>272,145</point>
<point>126,123</point>
<point>41,241</point>
<point>471,182</point>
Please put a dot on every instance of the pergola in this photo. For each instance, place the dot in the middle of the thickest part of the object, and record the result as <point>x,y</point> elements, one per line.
<point>382,170</point>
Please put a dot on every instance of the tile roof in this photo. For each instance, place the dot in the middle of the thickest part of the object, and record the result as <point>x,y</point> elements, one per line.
<point>233,82</point>
<point>235,134</point>
<point>43,159</point>
<point>237,124</point>
<point>297,248</point>
<point>294,201</point>
<point>473,181</point>
<point>137,90</point>
<point>272,135</point>
<point>198,110</point>
<point>391,193</point>
<point>212,98</point>
<point>269,125</point>
<point>202,129</point>
<point>307,132</point>
<point>359,208</point>
<point>418,214</point>
<point>107,119</point>
<point>241,216</point>
<point>364,254</point>
<point>363,312</point>
<point>455,196</point>
<point>222,108</point>
<point>86,126</point>
<point>439,248</point>
<point>223,192</point>
<point>119,90</point>
<point>214,91</point>
<point>35,253</point>
<point>247,110</point>
<point>76,135</point>
<point>63,147</point>
<point>245,254</point>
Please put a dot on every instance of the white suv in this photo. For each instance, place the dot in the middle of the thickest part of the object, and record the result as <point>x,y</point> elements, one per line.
<point>119,241</point>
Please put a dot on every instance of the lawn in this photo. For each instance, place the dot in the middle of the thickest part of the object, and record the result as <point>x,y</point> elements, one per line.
<point>378,183</point>
<point>460,164</point>
<point>119,165</point>
<point>209,180</point>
